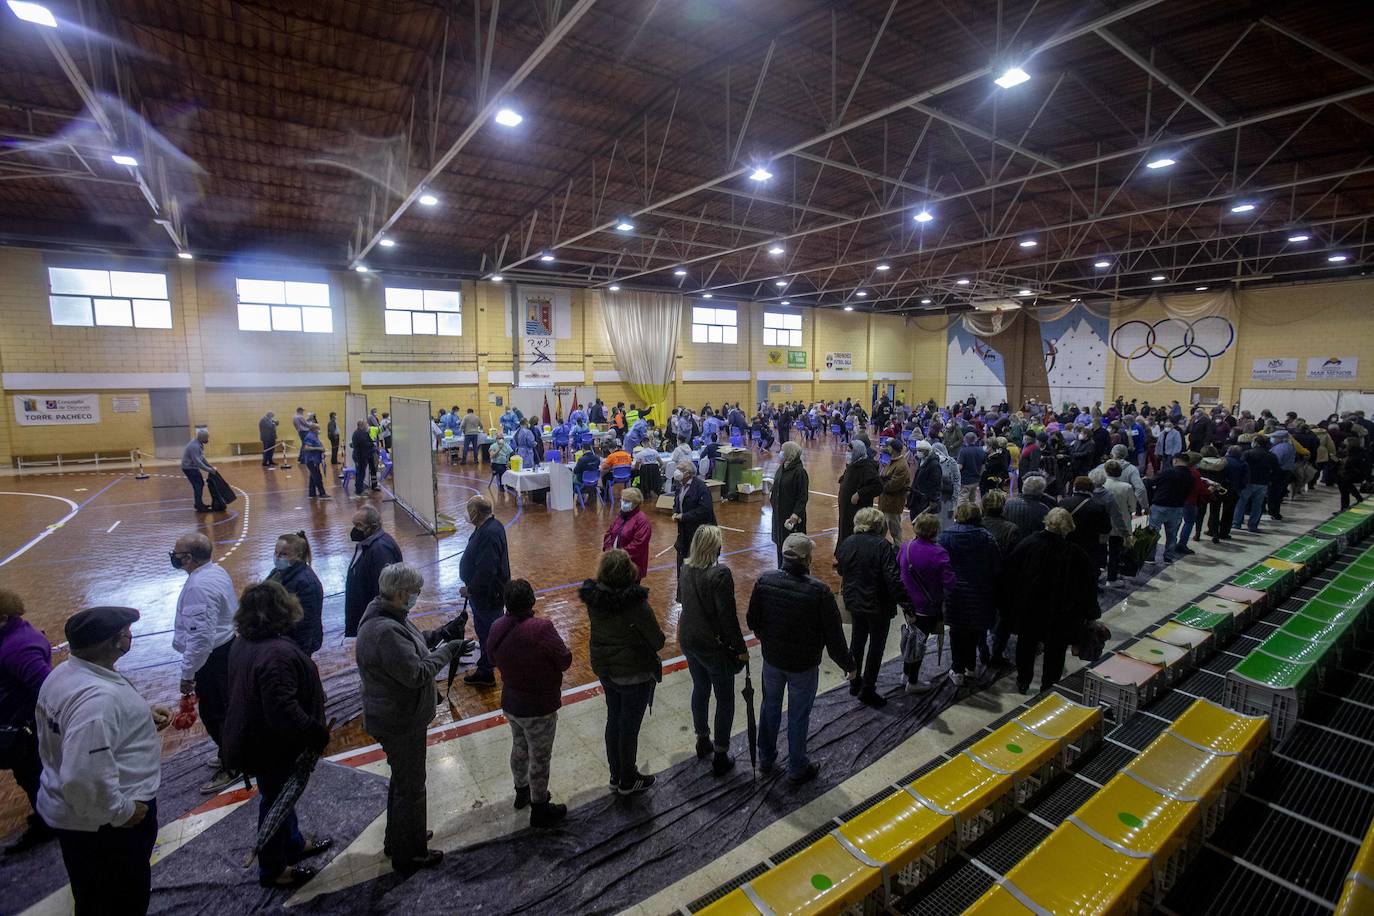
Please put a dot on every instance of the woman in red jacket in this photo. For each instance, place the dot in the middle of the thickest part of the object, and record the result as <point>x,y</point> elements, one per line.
<point>631,530</point>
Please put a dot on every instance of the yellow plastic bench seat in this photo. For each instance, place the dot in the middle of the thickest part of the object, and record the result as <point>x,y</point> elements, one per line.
<point>1276,563</point>
<point>1155,652</point>
<point>1356,900</point>
<point>962,787</point>
<point>998,901</point>
<point>1176,634</point>
<point>1070,872</point>
<point>1222,730</point>
<point>897,831</point>
<point>822,878</point>
<point>1058,717</point>
<point>735,903</point>
<point>1181,770</point>
<point>1014,749</point>
<point>1136,818</point>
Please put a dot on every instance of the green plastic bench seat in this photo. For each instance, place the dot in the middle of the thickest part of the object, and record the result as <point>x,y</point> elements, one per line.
<point>1303,550</point>
<point>1292,648</point>
<point>1340,525</point>
<point>1329,611</point>
<point>1195,617</point>
<point>1358,586</point>
<point>1314,629</point>
<point>1346,594</point>
<point>1263,578</point>
<point>1274,673</point>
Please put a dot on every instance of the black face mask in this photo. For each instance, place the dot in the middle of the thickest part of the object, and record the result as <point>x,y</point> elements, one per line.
<point>357,534</point>
<point>175,558</point>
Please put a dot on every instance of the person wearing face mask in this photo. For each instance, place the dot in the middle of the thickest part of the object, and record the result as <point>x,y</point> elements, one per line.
<point>102,766</point>
<point>485,570</point>
<point>691,509</point>
<point>631,531</point>
<point>859,486</point>
<point>375,550</point>
<point>791,489</point>
<point>202,632</point>
<point>397,665</point>
<point>291,568</point>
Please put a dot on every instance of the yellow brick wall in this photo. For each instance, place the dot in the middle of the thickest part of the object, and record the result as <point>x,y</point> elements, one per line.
<point>1322,320</point>
<point>929,345</point>
<point>1220,375</point>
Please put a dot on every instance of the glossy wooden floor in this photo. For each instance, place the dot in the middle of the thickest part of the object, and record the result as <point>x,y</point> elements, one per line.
<point>113,550</point>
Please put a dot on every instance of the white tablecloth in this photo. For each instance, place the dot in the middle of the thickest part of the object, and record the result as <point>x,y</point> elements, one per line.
<point>556,478</point>
<point>524,481</point>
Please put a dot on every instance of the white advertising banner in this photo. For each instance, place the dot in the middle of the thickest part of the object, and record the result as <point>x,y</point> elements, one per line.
<point>56,409</point>
<point>1332,368</point>
<point>839,360</point>
<point>1278,369</point>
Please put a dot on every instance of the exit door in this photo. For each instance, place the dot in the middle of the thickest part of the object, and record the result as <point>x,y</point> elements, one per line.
<point>171,421</point>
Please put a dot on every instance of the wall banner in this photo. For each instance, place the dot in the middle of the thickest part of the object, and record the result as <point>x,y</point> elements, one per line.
<point>56,409</point>
<point>1332,368</point>
<point>537,341</point>
<point>796,359</point>
<point>1278,369</point>
<point>839,360</point>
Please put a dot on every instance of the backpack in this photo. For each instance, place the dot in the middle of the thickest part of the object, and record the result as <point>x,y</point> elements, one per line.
<point>946,482</point>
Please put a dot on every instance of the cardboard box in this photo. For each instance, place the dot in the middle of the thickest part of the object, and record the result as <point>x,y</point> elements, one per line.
<point>752,477</point>
<point>755,496</point>
<point>664,504</point>
<point>717,488</point>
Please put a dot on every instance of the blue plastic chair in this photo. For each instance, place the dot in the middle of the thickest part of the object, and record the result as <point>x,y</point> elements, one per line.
<point>619,475</point>
<point>553,456</point>
<point>590,481</point>
<point>835,429</point>
<point>884,458</point>
<point>736,440</point>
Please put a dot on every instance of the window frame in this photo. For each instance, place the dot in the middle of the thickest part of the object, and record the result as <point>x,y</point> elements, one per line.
<point>121,295</point>
<point>726,333</point>
<point>283,304</point>
<point>782,329</point>
<point>417,317</point>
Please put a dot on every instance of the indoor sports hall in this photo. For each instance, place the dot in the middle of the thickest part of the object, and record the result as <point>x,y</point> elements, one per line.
<point>599,456</point>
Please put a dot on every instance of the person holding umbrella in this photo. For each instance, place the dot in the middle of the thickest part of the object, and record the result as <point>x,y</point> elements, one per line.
<point>795,617</point>
<point>397,665</point>
<point>275,715</point>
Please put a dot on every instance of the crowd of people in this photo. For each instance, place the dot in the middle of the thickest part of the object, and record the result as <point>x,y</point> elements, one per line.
<point>1005,507</point>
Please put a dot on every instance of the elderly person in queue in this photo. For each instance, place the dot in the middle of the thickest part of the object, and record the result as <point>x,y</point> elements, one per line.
<point>291,568</point>
<point>1027,511</point>
<point>791,489</point>
<point>795,617</point>
<point>397,665</point>
<point>375,551</point>
<point>1048,563</point>
<point>631,530</point>
<point>872,588</point>
<point>927,577</point>
<point>485,570</point>
<point>624,643</point>
<point>532,658</point>
<point>276,714</point>
<point>895,477</point>
<point>859,486</point>
<point>709,633</point>
<point>691,509</point>
<point>25,663</point>
<point>971,606</point>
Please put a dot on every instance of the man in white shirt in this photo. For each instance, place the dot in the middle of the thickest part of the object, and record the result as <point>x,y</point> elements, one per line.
<point>102,765</point>
<point>201,632</point>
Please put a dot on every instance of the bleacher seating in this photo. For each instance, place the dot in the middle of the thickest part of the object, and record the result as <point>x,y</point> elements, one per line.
<point>1357,895</point>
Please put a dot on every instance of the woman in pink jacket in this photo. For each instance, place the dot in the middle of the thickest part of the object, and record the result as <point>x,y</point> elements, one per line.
<point>928,577</point>
<point>631,530</point>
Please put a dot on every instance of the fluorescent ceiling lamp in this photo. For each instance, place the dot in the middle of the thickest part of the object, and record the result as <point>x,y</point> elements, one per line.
<point>1023,292</point>
<point>624,226</point>
<point>883,267</point>
<point>546,258</point>
<point>614,287</point>
<point>861,294</point>
<point>1160,163</point>
<point>122,159</point>
<point>1157,277</point>
<point>849,308</point>
<point>962,281</point>
<point>776,249</point>
<point>496,278</point>
<point>361,268</point>
<point>428,200</point>
<point>1337,258</point>
<point>1012,76</point>
<point>785,302</point>
<point>679,272</point>
<point>760,174</point>
<point>1242,208</point>
<point>1301,237</point>
<point>923,217</point>
<point>1029,243</point>
<point>185,255</point>
<point>925,302</point>
<point>387,243</point>
<point>779,283</point>
<point>509,118</point>
<point>1102,265</point>
<point>706,295</point>
<point>33,12</point>
<point>1075,300</point>
<point>1198,289</point>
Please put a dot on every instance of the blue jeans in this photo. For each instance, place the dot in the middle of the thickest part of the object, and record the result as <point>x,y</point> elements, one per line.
<point>1189,521</point>
<point>470,442</point>
<point>801,694</point>
<point>711,674</point>
<point>1251,503</point>
<point>1167,519</point>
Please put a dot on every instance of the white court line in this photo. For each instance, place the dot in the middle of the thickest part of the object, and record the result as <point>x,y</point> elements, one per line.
<point>114,526</point>
<point>46,531</point>
<point>819,493</point>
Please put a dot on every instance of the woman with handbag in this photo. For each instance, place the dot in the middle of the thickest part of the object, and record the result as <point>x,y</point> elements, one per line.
<point>927,575</point>
<point>708,631</point>
<point>624,643</point>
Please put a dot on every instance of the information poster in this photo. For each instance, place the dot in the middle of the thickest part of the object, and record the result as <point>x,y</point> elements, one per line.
<point>56,409</point>
<point>1278,369</point>
<point>1332,368</point>
<point>839,360</point>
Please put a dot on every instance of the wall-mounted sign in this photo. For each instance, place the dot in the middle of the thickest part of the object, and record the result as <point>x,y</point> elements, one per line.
<point>839,360</point>
<point>1278,369</point>
<point>796,359</point>
<point>775,357</point>
<point>1332,368</point>
<point>56,409</point>
<point>125,403</point>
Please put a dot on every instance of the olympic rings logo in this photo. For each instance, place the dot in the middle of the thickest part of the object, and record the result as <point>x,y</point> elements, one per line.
<point>1181,351</point>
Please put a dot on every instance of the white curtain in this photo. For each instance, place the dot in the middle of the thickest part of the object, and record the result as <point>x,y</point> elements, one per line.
<point>988,324</point>
<point>643,329</point>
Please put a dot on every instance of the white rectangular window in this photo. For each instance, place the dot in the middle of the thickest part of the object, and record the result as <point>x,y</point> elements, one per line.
<point>85,298</point>
<point>424,311</point>
<point>781,330</point>
<point>713,325</point>
<point>284,305</point>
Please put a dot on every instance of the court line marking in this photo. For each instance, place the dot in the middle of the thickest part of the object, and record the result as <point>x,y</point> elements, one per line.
<point>114,526</point>
<point>46,531</point>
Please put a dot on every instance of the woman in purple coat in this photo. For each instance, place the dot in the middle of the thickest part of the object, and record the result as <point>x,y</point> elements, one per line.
<point>25,662</point>
<point>928,577</point>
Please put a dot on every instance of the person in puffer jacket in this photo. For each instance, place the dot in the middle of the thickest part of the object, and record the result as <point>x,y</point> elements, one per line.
<point>867,562</point>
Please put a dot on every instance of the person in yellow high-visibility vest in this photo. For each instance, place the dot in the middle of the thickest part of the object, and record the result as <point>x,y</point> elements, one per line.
<point>631,416</point>
<point>374,432</point>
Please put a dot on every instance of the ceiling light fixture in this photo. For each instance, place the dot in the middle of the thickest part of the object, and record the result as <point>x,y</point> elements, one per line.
<point>679,272</point>
<point>883,267</point>
<point>496,278</point>
<point>1102,265</point>
<point>1023,292</point>
<point>925,302</point>
<point>508,117</point>
<point>776,249</point>
<point>706,295</point>
<point>546,258</point>
<point>1163,163</point>
<point>1338,258</point>
<point>624,226</point>
<point>1012,76</point>
<point>760,174</point>
<point>1199,289</point>
<point>779,283</point>
<point>361,268</point>
<point>185,255</point>
<point>1075,299</point>
<point>1242,208</point>
<point>923,217</point>
<point>1028,243</point>
<point>33,12</point>
<point>1300,237</point>
<point>428,200</point>
<point>1158,277</point>
<point>785,302</point>
<point>962,281</point>
<point>849,308</point>
<point>124,159</point>
<point>862,294</point>
<point>614,287</point>
<point>387,243</point>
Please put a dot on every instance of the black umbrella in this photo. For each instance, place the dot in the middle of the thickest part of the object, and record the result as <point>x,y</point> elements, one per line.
<point>281,808</point>
<point>751,730</point>
<point>455,629</point>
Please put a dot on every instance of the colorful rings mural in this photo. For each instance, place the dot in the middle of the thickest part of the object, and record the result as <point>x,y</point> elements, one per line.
<point>1181,351</point>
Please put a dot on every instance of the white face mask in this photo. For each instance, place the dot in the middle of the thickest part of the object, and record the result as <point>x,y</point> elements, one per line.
<point>626,507</point>
<point>410,601</point>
